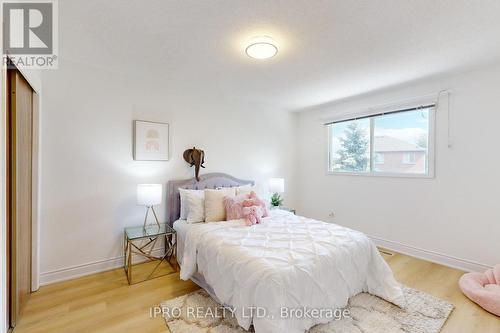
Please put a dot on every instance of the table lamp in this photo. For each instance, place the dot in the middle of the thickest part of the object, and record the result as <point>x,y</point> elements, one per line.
<point>276,186</point>
<point>149,195</point>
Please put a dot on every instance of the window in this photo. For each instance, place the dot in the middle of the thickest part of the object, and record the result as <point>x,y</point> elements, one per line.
<point>395,143</point>
<point>350,146</point>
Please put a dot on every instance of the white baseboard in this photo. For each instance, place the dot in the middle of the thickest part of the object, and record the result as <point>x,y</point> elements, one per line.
<point>73,272</point>
<point>435,257</point>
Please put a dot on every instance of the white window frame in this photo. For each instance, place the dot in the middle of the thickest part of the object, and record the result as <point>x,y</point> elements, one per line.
<point>430,154</point>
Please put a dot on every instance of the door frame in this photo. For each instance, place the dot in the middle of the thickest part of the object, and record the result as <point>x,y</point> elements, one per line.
<point>3,217</point>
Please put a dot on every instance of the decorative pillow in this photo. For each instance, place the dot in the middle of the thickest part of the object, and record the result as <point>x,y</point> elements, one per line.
<point>195,201</point>
<point>254,200</point>
<point>253,214</point>
<point>184,206</point>
<point>214,204</point>
<point>247,206</point>
<point>262,194</point>
<point>232,204</point>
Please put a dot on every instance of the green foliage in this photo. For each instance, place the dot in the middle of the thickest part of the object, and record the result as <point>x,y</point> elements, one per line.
<point>276,200</point>
<point>422,141</point>
<point>354,147</point>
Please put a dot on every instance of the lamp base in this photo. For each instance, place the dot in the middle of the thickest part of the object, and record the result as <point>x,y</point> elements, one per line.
<point>146,217</point>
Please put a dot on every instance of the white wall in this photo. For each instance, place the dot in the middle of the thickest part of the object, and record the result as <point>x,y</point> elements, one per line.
<point>89,177</point>
<point>453,218</point>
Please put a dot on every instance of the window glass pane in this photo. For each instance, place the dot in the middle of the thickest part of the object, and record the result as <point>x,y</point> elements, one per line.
<point>400,142</point>
<point>378,158</point>
<point>350,146</point>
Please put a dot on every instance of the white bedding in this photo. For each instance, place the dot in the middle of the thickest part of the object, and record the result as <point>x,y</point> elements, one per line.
<point>181,228</point>
<point>288,261</point>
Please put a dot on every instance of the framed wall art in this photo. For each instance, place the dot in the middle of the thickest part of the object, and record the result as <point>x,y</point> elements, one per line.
<point>151,141</point>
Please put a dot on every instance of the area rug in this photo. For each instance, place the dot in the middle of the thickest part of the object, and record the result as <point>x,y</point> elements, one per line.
<point>367,314</point>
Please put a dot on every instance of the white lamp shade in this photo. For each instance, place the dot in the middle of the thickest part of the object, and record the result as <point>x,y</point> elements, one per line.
<point>149,194</point>
<point>276,185</point>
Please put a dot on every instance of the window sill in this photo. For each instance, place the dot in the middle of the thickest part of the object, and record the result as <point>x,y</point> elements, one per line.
<point>380,174</point>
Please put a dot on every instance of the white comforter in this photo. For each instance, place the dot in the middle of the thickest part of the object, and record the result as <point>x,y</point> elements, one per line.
<point>288,261</point>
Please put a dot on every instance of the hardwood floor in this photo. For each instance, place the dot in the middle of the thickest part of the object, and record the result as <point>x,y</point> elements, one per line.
<point>442,282</point>
<point>104,302</point>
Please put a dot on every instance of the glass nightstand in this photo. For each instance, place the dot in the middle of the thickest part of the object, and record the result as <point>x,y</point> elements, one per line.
<point>139,245</point>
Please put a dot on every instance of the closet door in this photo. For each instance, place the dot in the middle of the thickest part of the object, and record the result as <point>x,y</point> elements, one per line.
<point>20,190</point>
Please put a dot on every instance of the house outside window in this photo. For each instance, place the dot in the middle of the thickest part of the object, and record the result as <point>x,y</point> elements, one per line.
<point>410,157</point>
<point>379,158</point>
<point>399,156</point>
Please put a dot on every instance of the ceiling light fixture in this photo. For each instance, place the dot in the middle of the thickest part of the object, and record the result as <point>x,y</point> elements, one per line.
<point>261,48</point>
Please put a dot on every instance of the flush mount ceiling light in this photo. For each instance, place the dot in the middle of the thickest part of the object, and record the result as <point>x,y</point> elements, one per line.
<point>261,48</point>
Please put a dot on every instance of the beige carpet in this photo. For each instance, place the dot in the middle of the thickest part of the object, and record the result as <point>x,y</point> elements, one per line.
<point>368,314</point>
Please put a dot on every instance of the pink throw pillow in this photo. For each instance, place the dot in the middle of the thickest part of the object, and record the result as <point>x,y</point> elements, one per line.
<point>234,207</point>
<point>256,201</point>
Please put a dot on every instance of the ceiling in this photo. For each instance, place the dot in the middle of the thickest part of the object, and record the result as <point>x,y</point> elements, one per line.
<point>329,50</point>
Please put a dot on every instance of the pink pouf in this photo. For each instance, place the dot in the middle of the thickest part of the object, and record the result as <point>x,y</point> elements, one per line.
<point>483,289</point>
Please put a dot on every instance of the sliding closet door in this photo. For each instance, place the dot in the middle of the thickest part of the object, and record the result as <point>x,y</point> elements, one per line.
<point>20,190</point>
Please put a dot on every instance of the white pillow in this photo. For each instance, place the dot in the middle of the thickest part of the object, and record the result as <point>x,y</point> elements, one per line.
<point>214,203</point>
<point>245,189</point>
<point>195,201</point>
<point>184,206</point>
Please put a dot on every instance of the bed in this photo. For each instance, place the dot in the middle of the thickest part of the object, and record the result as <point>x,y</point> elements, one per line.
<point>288,264</point>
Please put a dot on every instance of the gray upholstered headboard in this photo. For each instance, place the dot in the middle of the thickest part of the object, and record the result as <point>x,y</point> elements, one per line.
<point>209,180</point>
